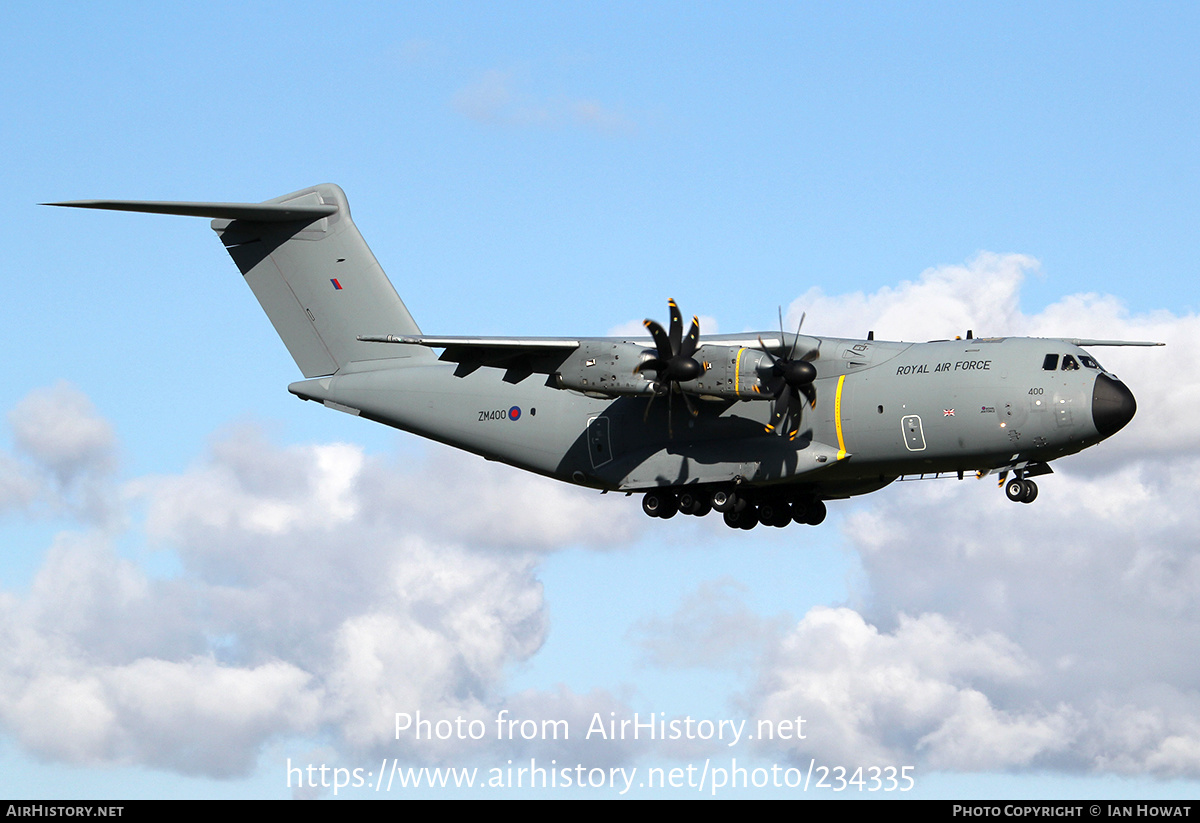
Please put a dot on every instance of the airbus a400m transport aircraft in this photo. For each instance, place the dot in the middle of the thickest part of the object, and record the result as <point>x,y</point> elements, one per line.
<point>761,427</point>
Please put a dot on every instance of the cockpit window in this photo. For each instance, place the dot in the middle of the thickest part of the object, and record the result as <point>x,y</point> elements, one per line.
<point>1069,363</point>
<point>1088,362</point>
<point>1050,363</point>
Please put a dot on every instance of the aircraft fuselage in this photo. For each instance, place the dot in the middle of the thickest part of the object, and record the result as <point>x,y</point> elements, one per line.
<point>884,410</point>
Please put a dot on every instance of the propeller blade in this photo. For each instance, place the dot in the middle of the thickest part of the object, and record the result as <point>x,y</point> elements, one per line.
<point>676,327</point>
<point>796,339</point>
<point>661,341</point>
<point>654,363</point>
<point>767,352</point>
<point>782,405</point>
<point>810,394</point>
<point>687,402</point>
<point>646,413</point>
<point>692,341</point>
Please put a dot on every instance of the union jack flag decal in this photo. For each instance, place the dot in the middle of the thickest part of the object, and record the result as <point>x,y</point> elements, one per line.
<point>947,412</point>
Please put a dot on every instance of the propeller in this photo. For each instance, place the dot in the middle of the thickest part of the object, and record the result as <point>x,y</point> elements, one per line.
<point>788,376</point>
<point>673,363</point>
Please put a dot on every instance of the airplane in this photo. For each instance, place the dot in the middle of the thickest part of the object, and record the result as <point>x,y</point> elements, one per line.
<point>762,428</point>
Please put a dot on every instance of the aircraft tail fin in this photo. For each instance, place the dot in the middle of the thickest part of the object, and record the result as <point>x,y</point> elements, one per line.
<point>311,271</point>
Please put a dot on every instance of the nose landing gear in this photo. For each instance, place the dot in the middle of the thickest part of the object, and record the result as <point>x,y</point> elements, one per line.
<point>1021,491</point>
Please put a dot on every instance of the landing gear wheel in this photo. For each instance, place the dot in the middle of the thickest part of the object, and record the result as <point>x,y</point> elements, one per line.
<point>1031,491</point>
<point>1017,490</point>
<point>660,504</point>
<point>816,513</point>
<point>723,501</point>
<point>776,513</point>
<point>808,512</point>
<point>747,518</point>
<point>694,503</point>
<point>800,509</point>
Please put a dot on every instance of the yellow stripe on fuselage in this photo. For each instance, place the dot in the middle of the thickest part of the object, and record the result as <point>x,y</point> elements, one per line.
<point>837,417</point>
<point>737,372</point>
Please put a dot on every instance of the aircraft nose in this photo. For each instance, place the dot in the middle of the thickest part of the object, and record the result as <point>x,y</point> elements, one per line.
<point>1112,405</point>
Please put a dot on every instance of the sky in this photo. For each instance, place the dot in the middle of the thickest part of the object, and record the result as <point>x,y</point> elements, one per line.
<point>207,587</point>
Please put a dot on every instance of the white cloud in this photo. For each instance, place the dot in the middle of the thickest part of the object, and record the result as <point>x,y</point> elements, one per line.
<point>18,485</point>
<point>59,427</point>
<point>871,698</point>
<point>103,665</point>
<point>982,295</point>
<point>710,628</point>
<point>69,445</point>
<point>318,596</point>
<point>497,98</point>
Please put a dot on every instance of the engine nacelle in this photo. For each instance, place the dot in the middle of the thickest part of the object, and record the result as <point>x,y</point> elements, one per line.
<point>731,373</point>
<point>602,367</point>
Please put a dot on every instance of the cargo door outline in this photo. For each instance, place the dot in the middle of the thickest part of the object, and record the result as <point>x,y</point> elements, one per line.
<point>599,444</point>
<point>914,436</point>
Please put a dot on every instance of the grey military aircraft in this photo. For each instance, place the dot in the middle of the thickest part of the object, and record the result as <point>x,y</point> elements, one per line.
<point>763,428</point>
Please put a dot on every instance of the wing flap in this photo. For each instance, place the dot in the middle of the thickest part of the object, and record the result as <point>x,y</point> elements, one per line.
<point>517,355</point>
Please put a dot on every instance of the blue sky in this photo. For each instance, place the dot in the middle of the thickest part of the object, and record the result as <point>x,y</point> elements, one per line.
<point>547,169</point>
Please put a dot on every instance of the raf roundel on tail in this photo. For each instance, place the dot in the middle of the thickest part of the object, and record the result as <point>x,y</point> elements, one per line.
<point>763,428</point>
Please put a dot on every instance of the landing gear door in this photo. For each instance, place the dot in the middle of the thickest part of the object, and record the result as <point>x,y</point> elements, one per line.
<point>914,437</point>
<point>599,446</point>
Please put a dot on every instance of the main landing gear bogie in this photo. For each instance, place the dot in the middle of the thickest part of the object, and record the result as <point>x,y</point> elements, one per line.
<point>739,510</point>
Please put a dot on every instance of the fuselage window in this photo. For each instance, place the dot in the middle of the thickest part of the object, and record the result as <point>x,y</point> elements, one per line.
<point>1050,363</point>
<point>1069,363</point>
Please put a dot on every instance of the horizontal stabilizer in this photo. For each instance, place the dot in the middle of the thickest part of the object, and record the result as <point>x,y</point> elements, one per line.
<point>255,212</point>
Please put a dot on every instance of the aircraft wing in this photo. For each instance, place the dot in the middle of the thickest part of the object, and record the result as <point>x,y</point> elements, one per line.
<point>771,342</point>
<point>477,343</point>
<point>1085,342</point>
